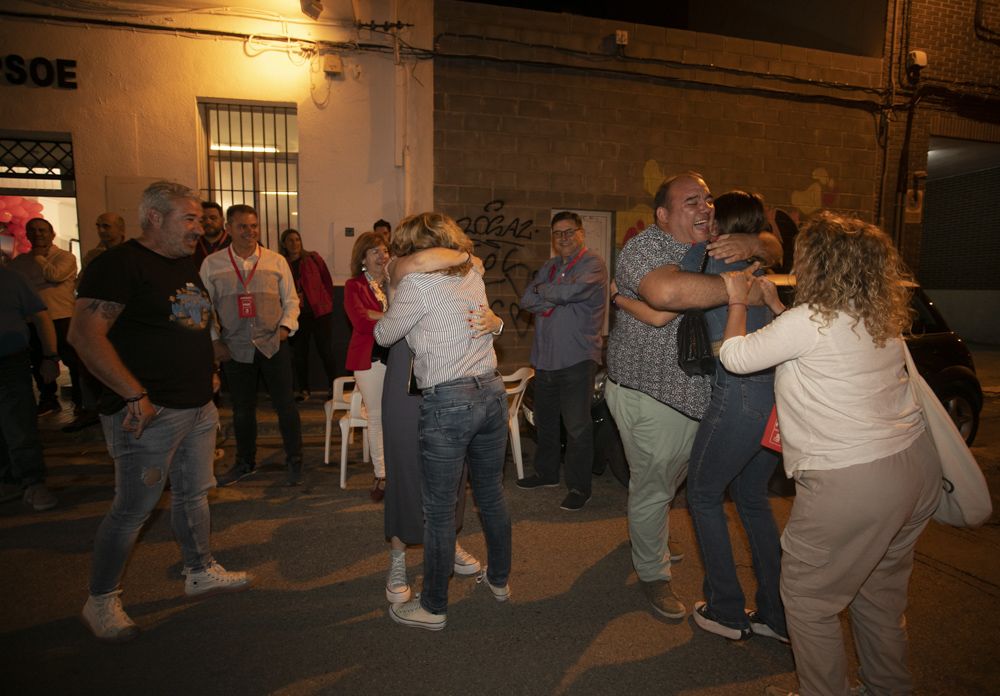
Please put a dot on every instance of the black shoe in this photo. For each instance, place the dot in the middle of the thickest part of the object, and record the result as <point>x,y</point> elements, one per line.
<point>84,420</point>
<point>574,501</point>
<point>48,406</point>
<point>706,620</point>
<point>294,472</point>
<point>238,472</point>
<point>535,481</point>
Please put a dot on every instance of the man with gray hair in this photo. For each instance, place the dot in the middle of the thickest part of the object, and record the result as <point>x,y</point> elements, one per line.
<point>142,326</point>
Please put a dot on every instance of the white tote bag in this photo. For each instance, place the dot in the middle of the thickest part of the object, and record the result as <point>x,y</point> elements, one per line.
<point>965,501</point>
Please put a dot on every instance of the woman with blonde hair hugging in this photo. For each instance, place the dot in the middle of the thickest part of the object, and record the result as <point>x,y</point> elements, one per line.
<point>866,476</point>
<point>463,414</point>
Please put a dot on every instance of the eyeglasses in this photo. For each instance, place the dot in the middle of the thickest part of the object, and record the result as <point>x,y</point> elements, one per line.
<point>565,234</point>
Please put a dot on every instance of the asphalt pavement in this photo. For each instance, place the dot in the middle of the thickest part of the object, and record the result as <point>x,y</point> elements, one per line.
<point>315,621</point>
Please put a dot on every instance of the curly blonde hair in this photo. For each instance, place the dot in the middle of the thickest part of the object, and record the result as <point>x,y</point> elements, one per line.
<point>846,265</point>
<point>427,230</point>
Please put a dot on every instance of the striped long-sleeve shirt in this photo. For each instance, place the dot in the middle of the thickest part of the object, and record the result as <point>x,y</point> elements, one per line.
<point>430,310</point>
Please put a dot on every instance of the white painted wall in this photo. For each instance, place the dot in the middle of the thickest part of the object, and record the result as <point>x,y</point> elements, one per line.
<point>135,112</point>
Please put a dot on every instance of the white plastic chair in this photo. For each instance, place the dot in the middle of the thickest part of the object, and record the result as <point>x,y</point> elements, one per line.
<point>515,384</point>
<point>339,401</point>
<point>356,417</point>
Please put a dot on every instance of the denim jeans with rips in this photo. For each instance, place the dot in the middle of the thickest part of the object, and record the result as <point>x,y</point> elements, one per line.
<point>463,418</point>
<point>179,443</point>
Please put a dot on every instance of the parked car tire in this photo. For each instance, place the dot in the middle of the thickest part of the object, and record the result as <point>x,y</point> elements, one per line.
<point>960,404</point>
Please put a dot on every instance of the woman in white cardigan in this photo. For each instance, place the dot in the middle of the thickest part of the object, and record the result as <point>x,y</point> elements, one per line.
<point>867,480</point>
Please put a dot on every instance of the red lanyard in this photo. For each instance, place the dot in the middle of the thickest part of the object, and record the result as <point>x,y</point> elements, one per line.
<point>562,274</point>
<point>239,274</point>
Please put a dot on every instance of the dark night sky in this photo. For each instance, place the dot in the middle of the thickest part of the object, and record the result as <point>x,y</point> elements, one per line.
<point>844,26</point>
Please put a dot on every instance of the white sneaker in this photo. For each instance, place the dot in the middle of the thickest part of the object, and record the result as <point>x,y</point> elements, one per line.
<point>465,562</point>
<point>397,587</point>
<point>412,614</point>
<point>212,580</point>
<point>500,594</point>
<point>104,616</point>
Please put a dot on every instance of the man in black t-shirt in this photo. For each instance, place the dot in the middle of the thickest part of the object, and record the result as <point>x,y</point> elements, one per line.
<point>141,325</point>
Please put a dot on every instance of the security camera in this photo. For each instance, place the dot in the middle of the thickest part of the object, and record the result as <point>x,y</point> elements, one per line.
<point>313,8</point>
<point>917,60</point>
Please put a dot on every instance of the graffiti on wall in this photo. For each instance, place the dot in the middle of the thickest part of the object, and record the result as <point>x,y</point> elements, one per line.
<point>501,244</point>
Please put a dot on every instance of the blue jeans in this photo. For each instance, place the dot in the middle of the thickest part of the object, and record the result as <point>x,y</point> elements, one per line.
<point>567,392</point>
<point>466,417</point>
<point>727,454</point>
<point>20,447</point>
<point>179,443</point>
<point>242,379</point>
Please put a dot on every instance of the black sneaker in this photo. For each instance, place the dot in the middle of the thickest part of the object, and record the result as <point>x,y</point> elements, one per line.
<point>535,481</point>
<point>46,407</point>
<point>238,472</point>
<point>703,617</point>
<point>574,501</point>
<point>760,628</point>
<point>84,420</point>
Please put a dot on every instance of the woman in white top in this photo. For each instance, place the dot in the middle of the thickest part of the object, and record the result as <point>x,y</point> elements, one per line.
<point>867,479</point>
<point>463,415</point>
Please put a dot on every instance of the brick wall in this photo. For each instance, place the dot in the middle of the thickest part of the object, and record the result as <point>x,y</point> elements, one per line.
<point>536,110</point>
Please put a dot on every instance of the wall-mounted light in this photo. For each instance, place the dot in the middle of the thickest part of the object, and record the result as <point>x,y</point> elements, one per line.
<point>312,8</point>
<point>243,148</point>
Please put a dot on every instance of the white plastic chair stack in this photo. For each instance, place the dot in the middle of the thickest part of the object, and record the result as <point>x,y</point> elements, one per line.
<point>515,384</point>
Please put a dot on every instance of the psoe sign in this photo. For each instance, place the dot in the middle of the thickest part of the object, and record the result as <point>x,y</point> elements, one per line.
<point>58,73</point>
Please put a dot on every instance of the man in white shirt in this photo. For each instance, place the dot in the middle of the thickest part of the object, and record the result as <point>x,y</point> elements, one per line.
<point>256,309</point>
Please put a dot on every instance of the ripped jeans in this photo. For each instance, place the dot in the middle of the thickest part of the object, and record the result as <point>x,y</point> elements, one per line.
<point>178,443</point>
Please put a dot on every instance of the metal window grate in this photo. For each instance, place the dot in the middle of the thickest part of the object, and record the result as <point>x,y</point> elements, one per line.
<point>253,159</point>
<point>30,165</point>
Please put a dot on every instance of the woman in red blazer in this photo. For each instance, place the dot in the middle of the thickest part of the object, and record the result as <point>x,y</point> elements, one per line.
<point>364,302</point>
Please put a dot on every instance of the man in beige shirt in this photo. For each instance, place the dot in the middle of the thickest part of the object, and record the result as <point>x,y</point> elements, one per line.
<point>51,272</point>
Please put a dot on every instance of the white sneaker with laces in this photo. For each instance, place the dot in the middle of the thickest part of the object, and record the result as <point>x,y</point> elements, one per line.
<point>465,562</point>
<point>104,616</point>
<point>397,587</point>
<point>412,614</point>
<point>213,579</point>
<point>500,594</point>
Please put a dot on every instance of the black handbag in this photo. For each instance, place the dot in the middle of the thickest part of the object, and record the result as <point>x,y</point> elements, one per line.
<point>694,349</point>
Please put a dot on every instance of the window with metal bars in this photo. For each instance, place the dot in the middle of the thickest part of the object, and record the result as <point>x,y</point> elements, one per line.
<point>253,158</point>
<point>37,166</point>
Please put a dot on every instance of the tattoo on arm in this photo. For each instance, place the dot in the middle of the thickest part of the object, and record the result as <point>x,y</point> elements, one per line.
<point>108,311</point>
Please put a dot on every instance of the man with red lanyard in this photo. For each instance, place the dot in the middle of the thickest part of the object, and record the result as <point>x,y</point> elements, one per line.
<point>256,309</point>
<point>567,297</point>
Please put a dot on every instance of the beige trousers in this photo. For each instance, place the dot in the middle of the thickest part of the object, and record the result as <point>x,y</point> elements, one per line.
<point>849,544</point>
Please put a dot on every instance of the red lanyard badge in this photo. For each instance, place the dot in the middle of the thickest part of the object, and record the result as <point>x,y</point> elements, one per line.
<point>244,302</point>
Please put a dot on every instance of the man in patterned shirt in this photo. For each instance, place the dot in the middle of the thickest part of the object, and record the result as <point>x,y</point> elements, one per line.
<point>655,404</point>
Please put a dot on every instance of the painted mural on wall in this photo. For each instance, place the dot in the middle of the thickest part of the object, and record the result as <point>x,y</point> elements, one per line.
<point>821,193</point>
<point>503,245</point>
